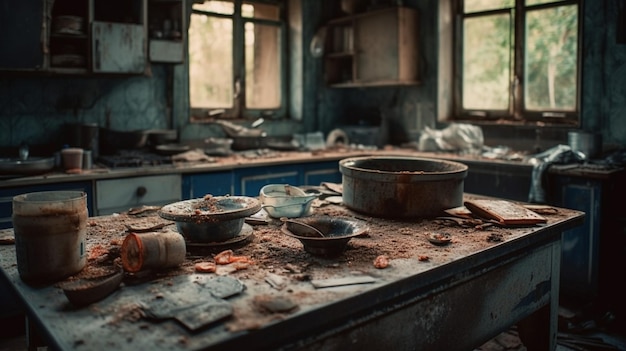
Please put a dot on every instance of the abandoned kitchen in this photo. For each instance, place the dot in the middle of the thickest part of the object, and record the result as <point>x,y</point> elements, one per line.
<point>312,174</point>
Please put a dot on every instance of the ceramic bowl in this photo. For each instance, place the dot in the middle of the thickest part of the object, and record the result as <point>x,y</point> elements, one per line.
<point>337,233</point>
<point>283,200</point>
<point>211,218</point>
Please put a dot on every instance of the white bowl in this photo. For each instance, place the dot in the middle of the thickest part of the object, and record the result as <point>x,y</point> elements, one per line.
<point>283,200</point>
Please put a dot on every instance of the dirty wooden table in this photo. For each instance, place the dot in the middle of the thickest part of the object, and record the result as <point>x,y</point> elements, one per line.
<point>452,297</point>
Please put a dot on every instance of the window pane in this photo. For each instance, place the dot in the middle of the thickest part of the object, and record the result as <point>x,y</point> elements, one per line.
<point>210,62</point>
<point>263,73</point>
<point>551,59</point>
<point>223,7</point>
<point>539,2</point>
<point>486,62</point>
<point>260,11</point>
<point>485,5</point>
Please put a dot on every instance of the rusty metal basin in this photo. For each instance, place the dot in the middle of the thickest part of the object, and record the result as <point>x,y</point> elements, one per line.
<point>402,187</point>
<point>336,231</point>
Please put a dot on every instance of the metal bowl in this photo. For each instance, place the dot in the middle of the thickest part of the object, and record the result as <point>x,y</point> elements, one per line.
<point>211,218</point>
<point>30,166</point>
<point>283,200</point>
<point>337,233</point>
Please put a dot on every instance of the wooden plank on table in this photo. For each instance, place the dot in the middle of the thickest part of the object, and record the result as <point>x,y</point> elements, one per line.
<point>503,211</point>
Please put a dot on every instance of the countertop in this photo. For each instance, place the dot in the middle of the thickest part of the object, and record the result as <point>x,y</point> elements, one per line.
<point>246,160</point>
<point>280,304</point>
<point>254,158</point>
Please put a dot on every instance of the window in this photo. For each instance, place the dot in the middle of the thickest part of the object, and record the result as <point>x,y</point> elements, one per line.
<point>236,59</point>
<point>517,60</point>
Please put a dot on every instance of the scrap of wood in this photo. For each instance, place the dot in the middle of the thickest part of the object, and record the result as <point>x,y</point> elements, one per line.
<point>327,283</point>
<point>504,212</point>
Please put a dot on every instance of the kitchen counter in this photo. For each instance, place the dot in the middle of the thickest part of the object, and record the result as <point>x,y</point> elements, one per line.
<point>452,297</point>
<point>246,160</point>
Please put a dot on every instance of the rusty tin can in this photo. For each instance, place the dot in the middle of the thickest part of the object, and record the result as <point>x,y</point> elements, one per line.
<point>156,250</point>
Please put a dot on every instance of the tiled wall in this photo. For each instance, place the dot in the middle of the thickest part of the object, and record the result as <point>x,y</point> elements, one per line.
<point>34,109</point>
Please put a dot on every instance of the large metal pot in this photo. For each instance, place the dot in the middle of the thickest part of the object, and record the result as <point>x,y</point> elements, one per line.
<point>402,187</point>
<point>112,141</point>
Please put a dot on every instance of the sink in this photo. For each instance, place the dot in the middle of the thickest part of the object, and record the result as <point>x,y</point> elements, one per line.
<point>29,166</point>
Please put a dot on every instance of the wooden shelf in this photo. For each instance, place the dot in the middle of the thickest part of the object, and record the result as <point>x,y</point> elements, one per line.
<point>377,48</point>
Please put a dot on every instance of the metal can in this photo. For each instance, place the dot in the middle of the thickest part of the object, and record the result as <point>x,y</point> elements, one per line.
<point>155,250</point>
<point>50,230</point>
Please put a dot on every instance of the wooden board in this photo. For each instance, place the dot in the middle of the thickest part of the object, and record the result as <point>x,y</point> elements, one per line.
<point>503,211</point>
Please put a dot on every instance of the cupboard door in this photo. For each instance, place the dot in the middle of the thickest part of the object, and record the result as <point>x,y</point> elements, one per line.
<point>580,255</point>
<point>316,173</point>
<point>386,47</point>
<point>198,185</point>
<point>21,35</point>
<point>377,48</point>
<point>119,195</point>
<point>118,48</point>
<point>249,181</point>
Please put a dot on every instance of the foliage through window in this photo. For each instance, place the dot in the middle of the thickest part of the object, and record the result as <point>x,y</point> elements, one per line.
<point>517,60</point>
<point>236,59</point>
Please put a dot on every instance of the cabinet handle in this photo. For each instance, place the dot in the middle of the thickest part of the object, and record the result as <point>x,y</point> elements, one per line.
<point>141,191</point>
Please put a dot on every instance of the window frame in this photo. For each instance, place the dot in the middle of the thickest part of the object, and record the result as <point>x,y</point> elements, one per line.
<point>239,110</point>
<point>517,113</point>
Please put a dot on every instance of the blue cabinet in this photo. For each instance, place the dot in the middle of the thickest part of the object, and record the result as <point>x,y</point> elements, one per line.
<point>592,267</point>
<point>7,194</point>
<point>198,185</point>
<point>249,181</point>
<point>316,173</point>
<point>580,245</point>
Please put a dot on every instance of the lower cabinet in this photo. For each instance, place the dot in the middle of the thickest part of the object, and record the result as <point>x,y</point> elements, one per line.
<point>7,194</point>
<point>498,180</point>
<point>249,181</point>
<point>198,185</point>
<point>121,194</point>
<point>580,245</point>
<point>592,257</point>
<point>316,173</point>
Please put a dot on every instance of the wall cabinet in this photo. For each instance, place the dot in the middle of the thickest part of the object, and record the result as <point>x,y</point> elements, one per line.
<point>75,37</point>
<point>23,49</point>
<point>113,52</point>
<point>375,48</point>
<point>167,30</point>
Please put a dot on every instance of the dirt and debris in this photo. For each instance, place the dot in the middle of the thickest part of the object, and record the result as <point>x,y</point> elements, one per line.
<point>272,261</point>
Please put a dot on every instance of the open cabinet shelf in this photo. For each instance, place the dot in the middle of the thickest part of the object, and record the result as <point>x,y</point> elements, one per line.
<point>377,48</point>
